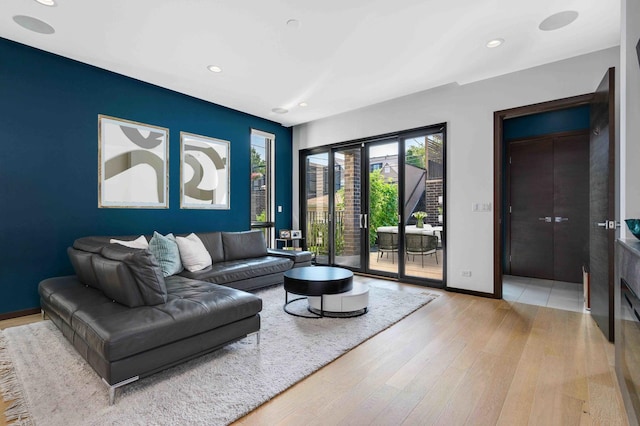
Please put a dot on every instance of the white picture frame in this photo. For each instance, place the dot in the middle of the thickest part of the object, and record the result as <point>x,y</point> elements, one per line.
<point>133,164</point>
<point>285,234</point>
<point>296,234</point>
<point>204,172</point>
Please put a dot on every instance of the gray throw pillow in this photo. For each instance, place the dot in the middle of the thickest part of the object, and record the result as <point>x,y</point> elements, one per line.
<point>165,249</point>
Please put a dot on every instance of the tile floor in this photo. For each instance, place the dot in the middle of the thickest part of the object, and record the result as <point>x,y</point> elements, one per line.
<point>534,291</point>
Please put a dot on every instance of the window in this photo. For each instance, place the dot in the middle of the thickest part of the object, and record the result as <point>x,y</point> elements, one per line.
<point>262,184</point>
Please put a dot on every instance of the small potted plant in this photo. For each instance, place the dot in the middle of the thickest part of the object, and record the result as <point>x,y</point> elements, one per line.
<point>420,217</point>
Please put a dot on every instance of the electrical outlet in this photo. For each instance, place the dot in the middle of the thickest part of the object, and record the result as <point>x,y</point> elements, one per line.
<point>480,207</point>
<point>279,209</point>
<point>466,273</point>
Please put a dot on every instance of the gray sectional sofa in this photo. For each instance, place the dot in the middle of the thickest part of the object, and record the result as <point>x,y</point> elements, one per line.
<point>129,321</point>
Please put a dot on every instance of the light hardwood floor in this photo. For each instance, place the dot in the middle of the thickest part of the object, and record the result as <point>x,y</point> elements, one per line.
<point>461,360</point>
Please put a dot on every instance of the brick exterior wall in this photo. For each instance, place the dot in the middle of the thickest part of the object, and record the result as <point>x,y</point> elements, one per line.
<point>352,197</point>
<point>434,190</point>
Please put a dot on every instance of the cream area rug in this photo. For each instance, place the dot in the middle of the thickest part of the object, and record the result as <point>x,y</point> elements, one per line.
<point>53,385</point>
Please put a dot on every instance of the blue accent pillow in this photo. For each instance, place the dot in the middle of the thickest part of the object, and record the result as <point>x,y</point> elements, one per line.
<point>165,249</point>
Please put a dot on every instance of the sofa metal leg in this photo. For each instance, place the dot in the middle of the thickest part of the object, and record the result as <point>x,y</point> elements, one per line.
<point>44,314</point>
<point>257,333</point>
<point>112,388</point>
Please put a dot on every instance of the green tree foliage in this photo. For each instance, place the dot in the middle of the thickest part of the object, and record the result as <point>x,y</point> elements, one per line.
<point>383,197</point>
<point>383,203</point>
<point>258,164</point>
<point>415,155</point>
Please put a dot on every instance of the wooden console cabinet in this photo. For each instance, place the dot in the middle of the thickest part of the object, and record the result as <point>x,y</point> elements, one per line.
<point>627,317</point>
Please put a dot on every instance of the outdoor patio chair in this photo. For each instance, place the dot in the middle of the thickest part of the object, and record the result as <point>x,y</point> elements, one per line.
<point>421,245</point>
<point>387,243</point>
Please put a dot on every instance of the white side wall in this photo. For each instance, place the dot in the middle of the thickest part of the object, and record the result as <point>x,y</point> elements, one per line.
<point>468,111</point>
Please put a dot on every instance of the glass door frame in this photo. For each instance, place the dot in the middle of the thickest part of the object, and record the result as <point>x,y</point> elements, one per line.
<point>348,220</point>
<point>366,207</point>
<point>365,144</point>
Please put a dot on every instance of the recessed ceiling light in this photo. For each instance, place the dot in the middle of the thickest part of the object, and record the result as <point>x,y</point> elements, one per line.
<point>33,24</point>
<point>214,68</point>
<point>293,23</point>
<point>494,43</point>
<point>558,20</point>
<point>280,110</point>
<point>47,2</point>
<point>303,104</point>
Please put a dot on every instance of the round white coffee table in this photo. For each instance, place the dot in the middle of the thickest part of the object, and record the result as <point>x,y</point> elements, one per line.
<point>330,291</point>
<point>348,304</point>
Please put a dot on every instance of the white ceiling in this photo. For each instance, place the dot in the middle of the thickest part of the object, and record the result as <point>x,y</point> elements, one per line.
<point>345,54</point>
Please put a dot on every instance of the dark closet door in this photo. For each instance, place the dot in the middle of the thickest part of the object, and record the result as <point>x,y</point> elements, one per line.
<point>531,204</point>
<point>549,196</point>
<point>602,212</point>
<point>571,206</point>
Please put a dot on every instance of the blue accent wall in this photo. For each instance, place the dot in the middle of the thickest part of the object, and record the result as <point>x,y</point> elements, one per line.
<point>49,108</point>
<point>564,120</point>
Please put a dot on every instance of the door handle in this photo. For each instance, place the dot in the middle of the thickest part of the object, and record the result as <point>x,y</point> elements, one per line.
<point>361,221</point>
<point>366,221</point>
<point>561,219</point>
<point>546,219</point>
<point>608,224</point>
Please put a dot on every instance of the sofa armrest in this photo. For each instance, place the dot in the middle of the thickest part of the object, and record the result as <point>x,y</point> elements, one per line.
<point>299,258</point>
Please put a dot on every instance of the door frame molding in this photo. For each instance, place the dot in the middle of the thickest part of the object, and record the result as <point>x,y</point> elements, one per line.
<point>499,175</point>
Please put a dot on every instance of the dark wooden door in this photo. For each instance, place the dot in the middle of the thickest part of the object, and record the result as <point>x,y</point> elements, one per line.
<point>570,207</point>
<point>531,205</point>
<point>549,198</point>
<point>601,204</point>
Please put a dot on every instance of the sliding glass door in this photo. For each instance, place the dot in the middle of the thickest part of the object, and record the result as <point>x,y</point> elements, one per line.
<point>348,217</point>
<point>378,206</point>
<point>316,206</point>
<point>383,208</point>
<point>423,217</point>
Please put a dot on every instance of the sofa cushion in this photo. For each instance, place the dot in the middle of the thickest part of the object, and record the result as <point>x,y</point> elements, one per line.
<point>236,270</point>
<point>213,243</point>
<point>193,253</point>
<point>298,257</point>
<point>81,262</point>
<point>144,267</point>
<point>91,244</point>
<point>166,251</point>
<point>243,245</point>
<point>139,243</point>
<point>64,295</point>
<point>116,281</point>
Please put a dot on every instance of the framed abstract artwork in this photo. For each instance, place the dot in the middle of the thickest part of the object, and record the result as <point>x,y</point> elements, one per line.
<point>204,172</point>
<point>133,164</point>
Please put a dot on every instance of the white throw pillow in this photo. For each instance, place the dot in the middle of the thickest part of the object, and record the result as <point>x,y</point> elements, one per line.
<point>138,243</point>
<point>193,253</point>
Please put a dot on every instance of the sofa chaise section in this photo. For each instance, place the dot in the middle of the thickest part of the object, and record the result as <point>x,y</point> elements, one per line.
<point>123,344</point>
